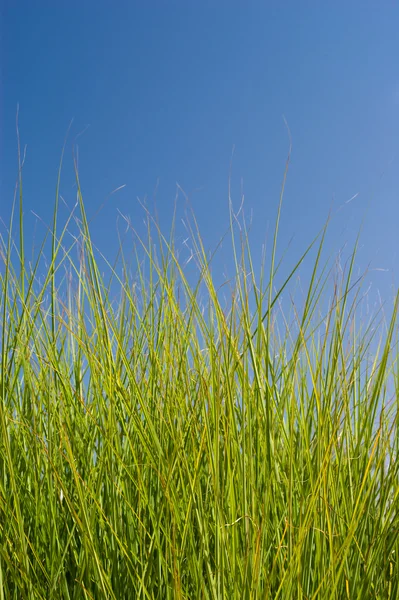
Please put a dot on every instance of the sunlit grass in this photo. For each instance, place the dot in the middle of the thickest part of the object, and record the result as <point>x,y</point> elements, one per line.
<point>166,444</point>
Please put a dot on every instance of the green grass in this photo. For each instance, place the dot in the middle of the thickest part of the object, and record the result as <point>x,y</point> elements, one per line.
<point>159,442</point>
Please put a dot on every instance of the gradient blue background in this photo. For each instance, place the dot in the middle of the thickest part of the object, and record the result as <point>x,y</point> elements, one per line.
<point>164,90</point>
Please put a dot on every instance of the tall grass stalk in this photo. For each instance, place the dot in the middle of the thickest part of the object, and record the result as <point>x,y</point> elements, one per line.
<point>170,445</point>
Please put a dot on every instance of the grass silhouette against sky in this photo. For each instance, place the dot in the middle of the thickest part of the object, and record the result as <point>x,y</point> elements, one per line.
<point>162,91</point>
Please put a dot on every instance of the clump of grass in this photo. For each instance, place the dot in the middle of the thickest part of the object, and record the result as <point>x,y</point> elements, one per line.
<point>167,445</point>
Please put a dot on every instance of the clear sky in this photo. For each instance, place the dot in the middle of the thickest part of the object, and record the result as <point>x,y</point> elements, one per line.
<point>162,91</point>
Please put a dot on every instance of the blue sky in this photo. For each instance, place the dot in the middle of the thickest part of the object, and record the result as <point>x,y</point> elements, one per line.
<point>163,91</point>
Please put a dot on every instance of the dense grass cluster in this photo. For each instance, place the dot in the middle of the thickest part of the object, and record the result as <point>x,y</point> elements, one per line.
<point>172,445</point>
